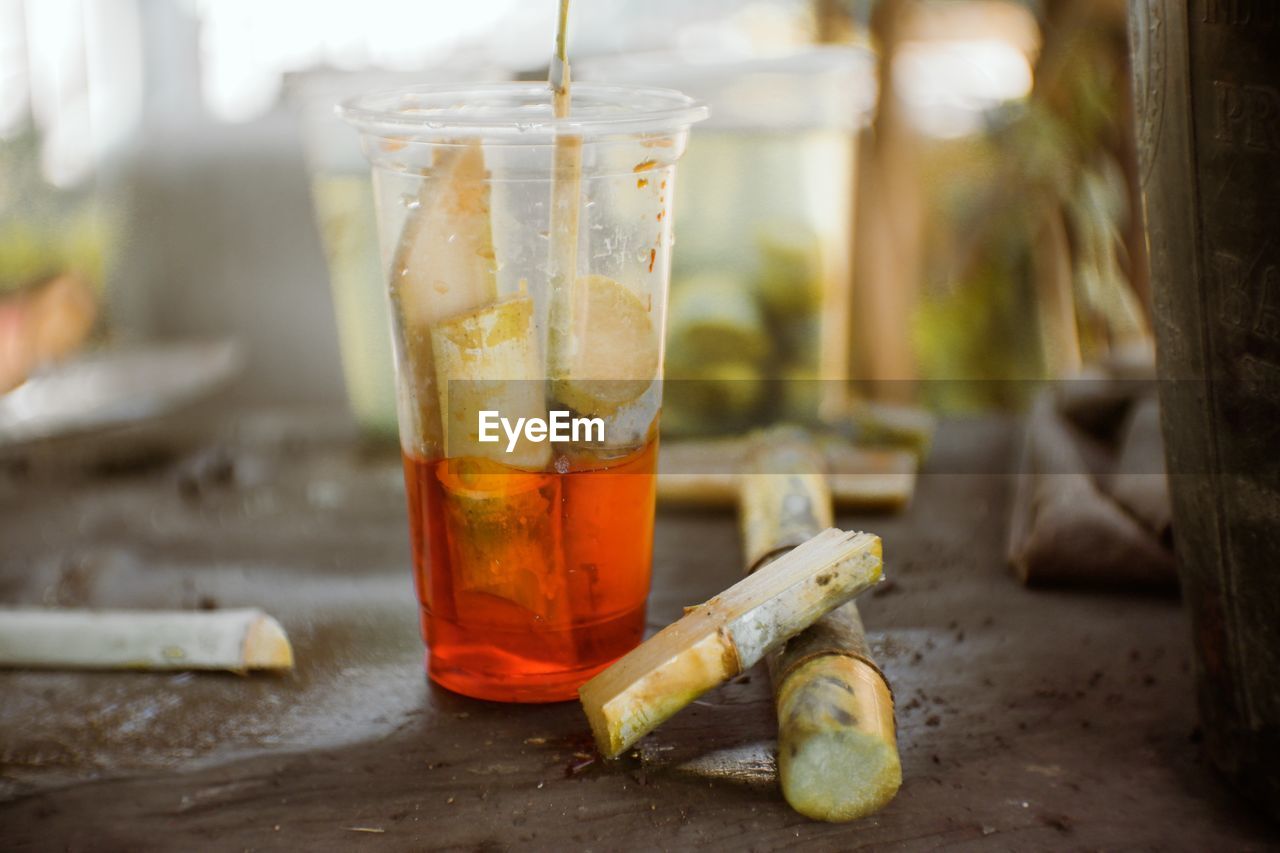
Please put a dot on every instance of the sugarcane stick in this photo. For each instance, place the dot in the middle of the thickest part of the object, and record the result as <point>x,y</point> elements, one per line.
<point>488,359</point>
<point>566,312</point>
<point>444,265</point>
<point>708,474</point>
<point>234,640</point>
<point>727,635</point>
<point>1139,483</point>
<point>1058,505</point>
<point>602,350</point>
<point>837,748</point>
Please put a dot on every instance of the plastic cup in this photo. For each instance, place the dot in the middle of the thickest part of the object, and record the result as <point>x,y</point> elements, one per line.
<point>527,260</point>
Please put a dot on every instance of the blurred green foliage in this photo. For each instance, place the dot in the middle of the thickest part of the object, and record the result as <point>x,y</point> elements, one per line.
<point>44,231</point>
<point>987,197</point>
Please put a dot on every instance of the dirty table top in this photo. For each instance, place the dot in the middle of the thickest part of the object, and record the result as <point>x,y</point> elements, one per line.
<point>1027,720</point>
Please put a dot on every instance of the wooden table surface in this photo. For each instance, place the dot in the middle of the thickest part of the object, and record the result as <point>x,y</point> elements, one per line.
<point>1027,720</point>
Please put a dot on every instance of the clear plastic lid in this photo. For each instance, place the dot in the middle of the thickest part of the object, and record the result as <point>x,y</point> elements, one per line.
<point>520,113</point>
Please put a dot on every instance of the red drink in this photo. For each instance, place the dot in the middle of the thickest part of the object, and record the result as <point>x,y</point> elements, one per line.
<point>530,582</point>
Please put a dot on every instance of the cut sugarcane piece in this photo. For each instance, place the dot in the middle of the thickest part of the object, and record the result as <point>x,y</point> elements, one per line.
<point>708,474</point>
<point>880,477</point>
<point>234,640</point>
<point>444,265</point>
<point>837,747</point>
<point>566,296</point>
<point>566,308</point>
<point>487,360</point>
<point>503,533</point>
<point>783,496</point>
<point>445,262</point>
<point>726,635</point>
<point>615,359</point>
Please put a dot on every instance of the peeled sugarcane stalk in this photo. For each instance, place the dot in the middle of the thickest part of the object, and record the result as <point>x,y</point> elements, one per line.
<point>234,640</point>
<point>727,635</point>
<point>1139,483</point>
<point>709,474</point>
<point>488,360</point>
<point>444,265</point>
<point>837,749</point>
<point>566,313</point>
<point>1065,529</point>
<point>602,348</point>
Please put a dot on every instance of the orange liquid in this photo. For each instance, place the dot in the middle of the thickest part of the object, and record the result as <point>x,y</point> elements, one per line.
<point>529,583</point>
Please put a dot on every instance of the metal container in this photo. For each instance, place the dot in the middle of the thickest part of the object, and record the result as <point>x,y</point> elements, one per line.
<point>1207,98</point>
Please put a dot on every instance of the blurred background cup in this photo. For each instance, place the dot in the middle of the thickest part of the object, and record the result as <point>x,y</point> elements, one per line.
<point>527,259</point>
<point>760,288</point>
<point>342,198</point>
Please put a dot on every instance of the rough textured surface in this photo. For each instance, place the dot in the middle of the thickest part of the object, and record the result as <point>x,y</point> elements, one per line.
<point>1026,719</point>
<point>1209,193</point>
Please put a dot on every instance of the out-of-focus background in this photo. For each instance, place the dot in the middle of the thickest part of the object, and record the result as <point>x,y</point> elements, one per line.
<point>902,222</point>
<point>887,191</point>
